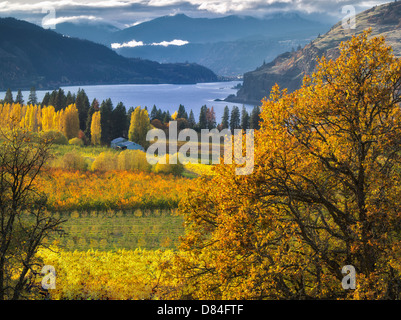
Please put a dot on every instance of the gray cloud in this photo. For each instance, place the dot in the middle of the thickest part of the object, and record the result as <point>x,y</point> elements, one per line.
<point>128,12</point>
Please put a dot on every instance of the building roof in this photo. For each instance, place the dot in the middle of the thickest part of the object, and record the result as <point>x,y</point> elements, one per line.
<point>118,140</point>
<point>122,142</point>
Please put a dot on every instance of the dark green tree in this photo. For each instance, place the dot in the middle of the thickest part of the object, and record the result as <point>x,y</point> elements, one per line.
<point>129,111</point>
<point>92,109</point>
<point>46,100</point>
<point>153,113</point>
<point>19,98</point>
<point>82,104</point>
<point>191,120</point>
<point>33,98</point>
<point>255,118</point>
<point>244,119</point>
<point>235,118</point>
<point>226,118</point>
<point>161,115</point>
<point>119,122</point>
<point>166,117</point>
<point>181,113</point>
<point>106,123</point>
<point>60,100</point>
<point>52,99</point>
<point>9,97</point>
<point>203,124</point>
<point>70,98</point>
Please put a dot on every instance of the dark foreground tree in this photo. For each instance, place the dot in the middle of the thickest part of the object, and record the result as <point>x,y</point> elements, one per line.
<point>325,192</point>
<point>24,220</point>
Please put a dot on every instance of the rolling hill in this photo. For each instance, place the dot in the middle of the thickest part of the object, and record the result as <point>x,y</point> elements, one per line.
<point>288,69</point>
<point>32,56</point>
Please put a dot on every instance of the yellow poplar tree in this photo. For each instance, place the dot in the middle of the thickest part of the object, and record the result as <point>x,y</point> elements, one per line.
<point>56,120</point>
<point>70,122</point>
<point>16,113</point>
<point>139,126</point>
<point>31,120</point>
<point>48,118</point>
<point>96,129</point>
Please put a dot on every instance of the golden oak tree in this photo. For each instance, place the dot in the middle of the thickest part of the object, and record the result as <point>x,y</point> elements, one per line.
<point>325,191</point>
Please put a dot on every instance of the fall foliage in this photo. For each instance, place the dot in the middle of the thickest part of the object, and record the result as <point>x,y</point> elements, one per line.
<point>325,191</point>
<point>96,129</point>
<point>139,126</point>
<point>82,190</point>
<point>21,161</point>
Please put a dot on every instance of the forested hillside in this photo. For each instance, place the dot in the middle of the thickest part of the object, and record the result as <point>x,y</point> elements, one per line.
<point>32,56</point>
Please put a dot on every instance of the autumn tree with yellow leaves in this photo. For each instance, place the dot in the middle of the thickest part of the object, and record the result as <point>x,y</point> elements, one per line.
<point>139,126</point>
<point>25,223</point>
<point>36,119</point>
<point>70,121</point>
<point>325,191</point>
<point>96,129</point>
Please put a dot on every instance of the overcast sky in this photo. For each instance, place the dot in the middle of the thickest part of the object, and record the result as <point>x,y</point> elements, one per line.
<point>123,13</point>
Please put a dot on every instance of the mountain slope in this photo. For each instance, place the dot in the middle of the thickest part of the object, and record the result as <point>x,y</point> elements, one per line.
<point>228,58</point>
<point>94,31</point>
<point>288,69</point>
<point>229,46</point>
<point>33,56</point>
<point>206,30</point>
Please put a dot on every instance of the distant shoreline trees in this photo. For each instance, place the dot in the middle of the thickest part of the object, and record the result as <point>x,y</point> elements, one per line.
<point>72,115</point>
<point>207,118</point>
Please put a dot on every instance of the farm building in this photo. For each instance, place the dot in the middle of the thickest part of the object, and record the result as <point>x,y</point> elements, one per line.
<point>124,144</point>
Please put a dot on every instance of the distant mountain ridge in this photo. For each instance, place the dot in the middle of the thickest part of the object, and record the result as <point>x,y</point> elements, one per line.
<point>32,56</point>
<point>94,31</point>
<point>208,30</point>
<point>288,69</point>
<point>228,45</point>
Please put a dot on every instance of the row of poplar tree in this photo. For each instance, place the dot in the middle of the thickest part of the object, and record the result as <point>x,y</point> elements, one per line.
<point>115,121</point>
